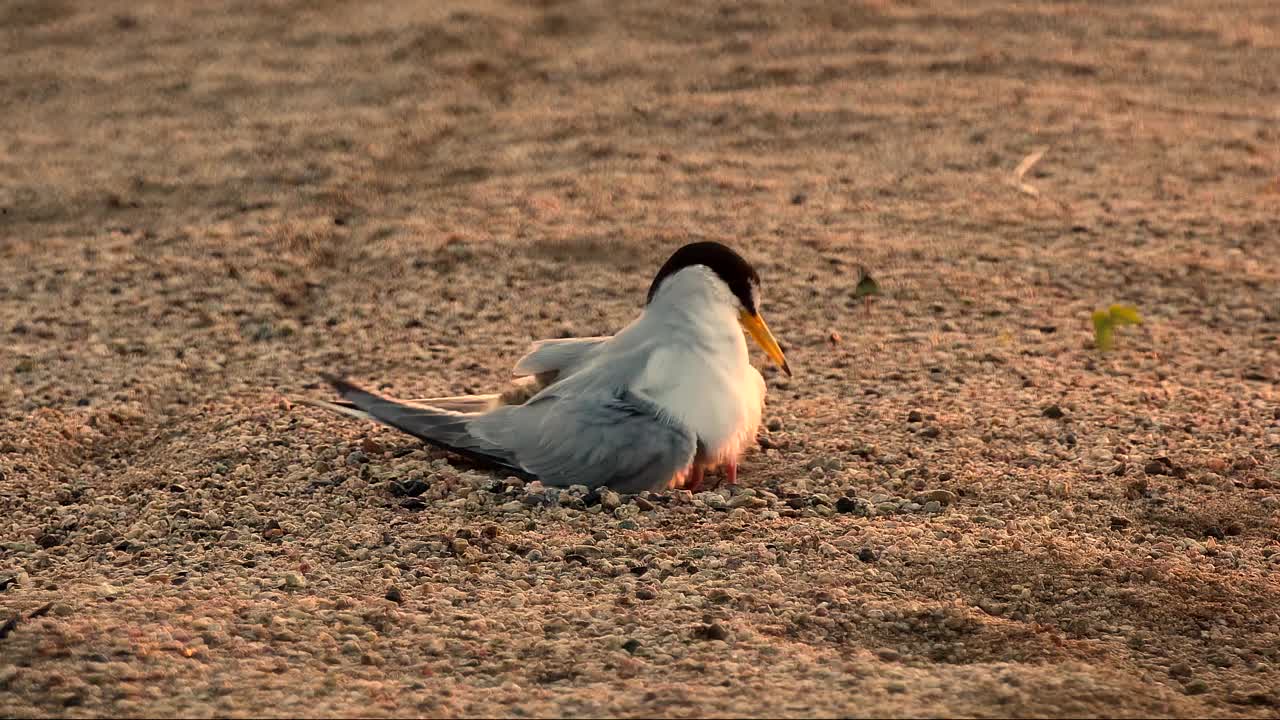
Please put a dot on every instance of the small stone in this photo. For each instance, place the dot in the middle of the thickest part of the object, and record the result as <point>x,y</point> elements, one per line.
<point>645,593</point>
<point>644,504</point>
<point>888,654</point>
<point>930,432</point>
<point>851,506</point>
<point>533,556</point>
<point>746,501</point>
<point>933,506</point>
<point>610,499</point>
<point>943,497</point>
<point>1053,412</point>
<point>409,488</point>
<point>513,506</point>
<point>867,555</point>
<point>357,458</point>
<point>394,595</point>
<point>715,501</point>
<point>915,416</point>
<point>1180,670</point>
<point>774,424</point>
<point>631,646</point>
<point>713,631</point>
<point>294,580</point>
<point>1196,687</point>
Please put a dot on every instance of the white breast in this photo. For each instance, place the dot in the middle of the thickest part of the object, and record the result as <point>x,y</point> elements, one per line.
<point>698,370</point>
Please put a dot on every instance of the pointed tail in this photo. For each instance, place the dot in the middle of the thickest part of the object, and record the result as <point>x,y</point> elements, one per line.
<point>444,429</point>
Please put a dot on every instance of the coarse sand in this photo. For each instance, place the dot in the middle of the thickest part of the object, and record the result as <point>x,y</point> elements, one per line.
<point>958,507</point>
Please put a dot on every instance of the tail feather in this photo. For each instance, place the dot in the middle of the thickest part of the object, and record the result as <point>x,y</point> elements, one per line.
<point>340,407</point>
<point>460,403</point>
<point>444,429</point>
<point>456,403</point>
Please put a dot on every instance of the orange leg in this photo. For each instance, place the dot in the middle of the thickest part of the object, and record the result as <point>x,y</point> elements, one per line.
<point>693,483</point>
<point>730,474</point>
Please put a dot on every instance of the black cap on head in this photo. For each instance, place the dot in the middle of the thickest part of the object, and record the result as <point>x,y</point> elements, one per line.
<point>731,267</point>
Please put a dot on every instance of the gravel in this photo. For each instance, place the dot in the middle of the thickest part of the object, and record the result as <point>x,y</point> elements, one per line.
<point>410,196</point>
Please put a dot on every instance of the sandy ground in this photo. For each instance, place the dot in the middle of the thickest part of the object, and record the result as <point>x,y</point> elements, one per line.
<point>203,208</point>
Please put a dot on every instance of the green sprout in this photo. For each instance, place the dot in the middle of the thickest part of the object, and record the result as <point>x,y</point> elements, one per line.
<point>1106,321</point>
<point>866,287</point>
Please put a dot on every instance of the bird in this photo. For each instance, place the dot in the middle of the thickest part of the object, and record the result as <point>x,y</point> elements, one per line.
<point>653,407</point>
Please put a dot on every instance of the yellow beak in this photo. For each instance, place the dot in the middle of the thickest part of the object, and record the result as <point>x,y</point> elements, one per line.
<point>760,332</point>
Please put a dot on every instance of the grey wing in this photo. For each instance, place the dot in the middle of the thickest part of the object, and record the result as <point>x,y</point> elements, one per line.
<point>561,356</point>
<point>612,439</point>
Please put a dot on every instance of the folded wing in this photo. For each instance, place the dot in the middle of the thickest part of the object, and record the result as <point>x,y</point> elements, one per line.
<point>612,439</point>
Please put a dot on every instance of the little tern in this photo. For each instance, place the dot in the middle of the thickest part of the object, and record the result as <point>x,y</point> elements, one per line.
<point>670,396</point>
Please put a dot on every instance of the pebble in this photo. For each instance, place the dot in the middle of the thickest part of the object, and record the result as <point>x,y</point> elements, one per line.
<point>851,505</point>
<point>409,488</point>
<point>943,497</point>
<point>933,506</point>
<point>888,654</point>
<point>294,580</point>
<point>1196,686</point>
<point>712,631</point>
<point>747,501</point>
<point>394,595</point>
<point>610,499</point>
<point>713,500</point>
<point>1052,412</point>
<point>774,424</point>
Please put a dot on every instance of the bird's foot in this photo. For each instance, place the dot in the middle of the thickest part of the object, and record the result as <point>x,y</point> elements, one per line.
<point>693,482</point>
<point>730,476</point>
